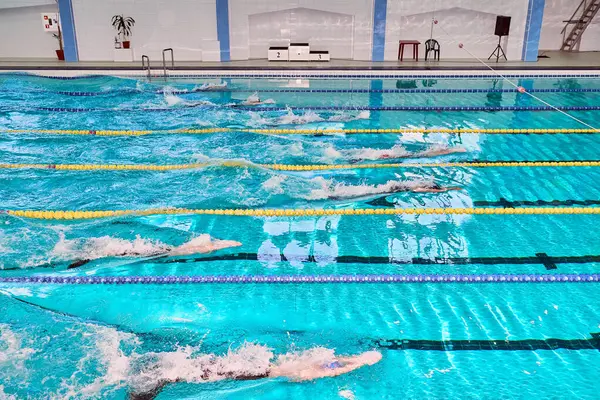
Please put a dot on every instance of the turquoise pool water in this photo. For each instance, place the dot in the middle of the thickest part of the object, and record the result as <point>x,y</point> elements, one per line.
<point>107,341</point>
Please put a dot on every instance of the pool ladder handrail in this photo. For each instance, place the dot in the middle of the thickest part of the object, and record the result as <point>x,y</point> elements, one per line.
<point>145,57</point>
<point>165,62</point>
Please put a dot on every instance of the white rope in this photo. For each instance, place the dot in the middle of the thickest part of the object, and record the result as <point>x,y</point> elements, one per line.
<point>432,19</point>
<point>462,46</point>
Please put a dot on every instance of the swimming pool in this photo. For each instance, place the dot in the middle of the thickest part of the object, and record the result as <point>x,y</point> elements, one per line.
<point>500,304</point>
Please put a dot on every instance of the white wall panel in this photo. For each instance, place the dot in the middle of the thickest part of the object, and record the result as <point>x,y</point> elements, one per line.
<point>25,3</point>
<point>185,25</point>
<point>22,33</point>
<point>322,30</point>
<point>470,22</point>
<point>325,24</point>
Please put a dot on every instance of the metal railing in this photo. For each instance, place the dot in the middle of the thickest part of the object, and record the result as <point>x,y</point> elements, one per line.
<point>577,21</point>
<point>165,61</point>
<point>572,20</point>
<point>146,65</point>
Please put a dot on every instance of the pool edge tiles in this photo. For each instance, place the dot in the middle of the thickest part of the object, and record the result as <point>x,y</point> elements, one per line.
<point>307,73</point>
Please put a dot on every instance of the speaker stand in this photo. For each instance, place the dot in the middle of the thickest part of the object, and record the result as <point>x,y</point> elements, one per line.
<point>498,52</point>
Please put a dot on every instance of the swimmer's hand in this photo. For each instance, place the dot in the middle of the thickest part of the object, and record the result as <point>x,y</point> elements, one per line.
<point>203,244</point>
<point>311,372</point>
<point>434,190</point>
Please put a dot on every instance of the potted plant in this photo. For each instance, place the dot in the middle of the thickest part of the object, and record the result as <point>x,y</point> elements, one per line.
<point>123,26</point>
<point>59,53</point>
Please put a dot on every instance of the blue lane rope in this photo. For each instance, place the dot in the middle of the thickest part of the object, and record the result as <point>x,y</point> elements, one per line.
<point>207,279</point>
<point>250,90</point>
<point>307,76</point>
<point>311,108</point>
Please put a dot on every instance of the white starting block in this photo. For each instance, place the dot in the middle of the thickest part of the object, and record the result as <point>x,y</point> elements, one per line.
<point>278,54</point>
<point>296,52</point>
<point>319,55</point>
<point>299,52</point>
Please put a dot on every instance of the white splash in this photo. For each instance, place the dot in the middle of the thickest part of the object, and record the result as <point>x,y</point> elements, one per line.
<point>345,117</point>
<point>105,246</point>
<point>173,100</point>
<point>13,354</point>
<point>142,372</point>
<point>273,184</point>
<point>104,355</point>
<point>347,394</point>
<point>297,119</point>
<point>4,396</point>
<point>210,86</point>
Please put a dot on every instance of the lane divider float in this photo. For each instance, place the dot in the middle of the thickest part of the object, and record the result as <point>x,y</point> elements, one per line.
<point>301,212</point>
<point>307,108</point>
<point>282,279</point>
<point>302,90</point>
<point>298,167</point>
<point>87,132</point>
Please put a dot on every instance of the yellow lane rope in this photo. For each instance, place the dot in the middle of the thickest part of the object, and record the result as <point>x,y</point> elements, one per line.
<point>301,131</point>
<point>292,167</point>
<point>68,215</point>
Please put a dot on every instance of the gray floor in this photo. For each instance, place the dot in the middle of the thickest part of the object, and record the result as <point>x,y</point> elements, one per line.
<point>555,60</point>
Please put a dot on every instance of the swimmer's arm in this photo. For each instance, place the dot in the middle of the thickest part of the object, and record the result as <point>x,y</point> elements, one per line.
<point>213,245</point>
<point>316,372</point>
<point>432,190</point>
<point>442,152</point>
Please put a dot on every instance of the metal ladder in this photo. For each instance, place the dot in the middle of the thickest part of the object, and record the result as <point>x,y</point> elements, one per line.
<point>146,66</point>
<point>587,10</point>
<point>165,62</point>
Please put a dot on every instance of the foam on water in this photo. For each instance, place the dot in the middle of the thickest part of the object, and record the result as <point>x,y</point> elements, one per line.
<point>105,246</point>
<point>273,184</point>
<point>347,394</point>
<point>5,396</point>
<point>13,354</point>
<point>173,100</point>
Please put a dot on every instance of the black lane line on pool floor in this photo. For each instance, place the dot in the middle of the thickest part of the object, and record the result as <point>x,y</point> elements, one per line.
<point>549,262</point>
<point>502,202</point>
<point>508,345</point>
<point>592,343</point>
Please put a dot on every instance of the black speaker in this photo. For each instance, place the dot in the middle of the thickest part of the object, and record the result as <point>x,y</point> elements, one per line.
<point>502,25</point>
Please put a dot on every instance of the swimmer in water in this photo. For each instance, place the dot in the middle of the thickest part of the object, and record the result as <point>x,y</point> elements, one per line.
<point>296,371</point>
<point>199,245</point>
<point>397,152</point>
<point>207,87</point>
<point>254,100</point>
<point>347,192</point>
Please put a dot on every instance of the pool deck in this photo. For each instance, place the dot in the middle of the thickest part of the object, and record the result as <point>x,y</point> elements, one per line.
<point>556,60</point>
<point>556,64</point>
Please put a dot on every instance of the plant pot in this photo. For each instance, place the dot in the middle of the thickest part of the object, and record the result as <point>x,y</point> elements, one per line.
<point>126,44</point>
<point>60,54</point>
